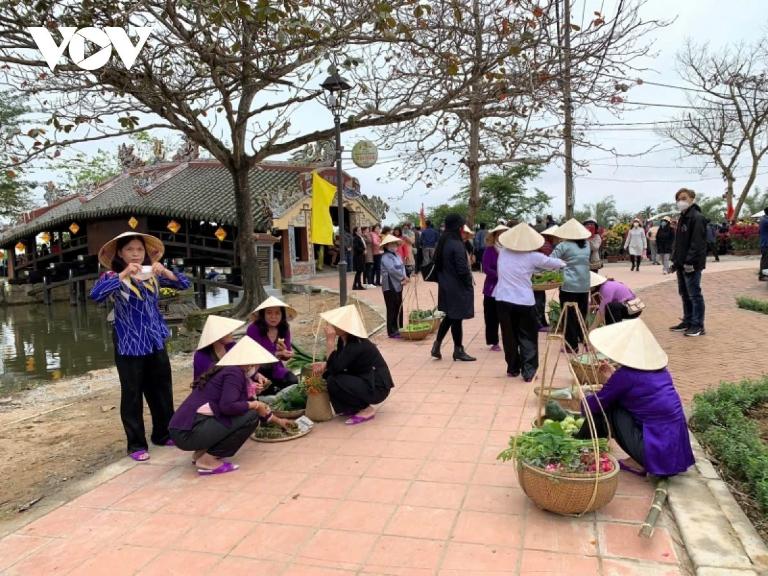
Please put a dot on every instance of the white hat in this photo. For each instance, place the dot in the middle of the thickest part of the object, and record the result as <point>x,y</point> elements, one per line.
<point>152,245</point>
<point>216,327</point>
<point>596,280</point>
<point>246,352</point>
<point>549,231</point>
<point>468,230</point>
<point>499,228</point>
<point>631,344</point>
<point>273,302</point>
<point>572,230</point>
<point>389,238</point>
<point>521,238</point>
<point>348,319</point>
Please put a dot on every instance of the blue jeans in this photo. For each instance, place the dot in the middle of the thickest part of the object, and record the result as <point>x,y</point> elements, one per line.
<point>689,288</point>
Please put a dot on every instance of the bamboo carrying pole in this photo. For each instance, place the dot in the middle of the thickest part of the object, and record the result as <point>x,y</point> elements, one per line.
<point>659,498</point>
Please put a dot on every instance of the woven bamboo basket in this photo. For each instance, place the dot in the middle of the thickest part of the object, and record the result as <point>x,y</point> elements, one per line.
<point>546,286</point>
<point>290,414</point>
<point>584,372</point>
<point>416,334</point>
<point>568,493</point>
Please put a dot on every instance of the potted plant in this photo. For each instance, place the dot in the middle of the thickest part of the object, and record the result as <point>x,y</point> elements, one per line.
<point>561,473</point>
<point>318,402</point>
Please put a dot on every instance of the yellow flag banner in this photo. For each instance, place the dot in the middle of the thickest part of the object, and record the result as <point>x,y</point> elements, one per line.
<point>322,223</point>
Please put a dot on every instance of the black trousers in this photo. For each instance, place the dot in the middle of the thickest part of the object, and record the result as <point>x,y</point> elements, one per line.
<point>625,430</point>
<point>369,272</point>
<point>491,321</point>
<point>520,335</point>
<point>376,269</point>
<point>216,439</point>
<point>616,312</point>
<point>148,376</point>
<point>456,328</point>
<point>394,302</point>
<point>573,333</point>
<point>350,393</point>
<point>763,262</point>
<point>288,379</point>
<point>541,307</point>
<point>635,260</point>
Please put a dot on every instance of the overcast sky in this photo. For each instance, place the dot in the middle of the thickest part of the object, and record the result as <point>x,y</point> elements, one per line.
<point>635,182</point>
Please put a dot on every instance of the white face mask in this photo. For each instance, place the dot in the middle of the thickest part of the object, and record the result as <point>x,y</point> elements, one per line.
<point>683,205</point>
<point>251,371</point>
<point>636,225</point>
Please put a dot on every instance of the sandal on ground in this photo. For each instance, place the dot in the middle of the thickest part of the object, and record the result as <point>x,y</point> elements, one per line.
<point>627,468</point>
<point>354,420</point>
<point>139,455</point>
<point>223,469</point>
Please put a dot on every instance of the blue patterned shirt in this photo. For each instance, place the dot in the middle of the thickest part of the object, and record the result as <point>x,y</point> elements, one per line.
<point>139,327</point>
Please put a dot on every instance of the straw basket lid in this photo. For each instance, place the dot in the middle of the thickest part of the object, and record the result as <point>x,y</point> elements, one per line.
<point>631,344</point>
<point>499,228</point>
<point>273,302</point>
<point>596,280</point>
<point>521,238</point>
<point>216,327</point>
<point>467,230</point>
<point>154,247</point>
<point>549,231</point>
<point>346,318</point>
<point>572,230</point>
<point>246,352</point>
<point>389,239</point>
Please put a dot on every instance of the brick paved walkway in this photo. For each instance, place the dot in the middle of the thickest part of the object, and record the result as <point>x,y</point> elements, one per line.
<point>417,491</point>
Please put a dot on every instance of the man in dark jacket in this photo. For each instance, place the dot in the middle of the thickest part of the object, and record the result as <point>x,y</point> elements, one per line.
<point>429,238</point>
<point>764,246</point>
<point>689,258</point>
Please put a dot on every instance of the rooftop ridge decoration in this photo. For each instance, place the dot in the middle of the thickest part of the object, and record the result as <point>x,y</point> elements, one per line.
<point>128,158</point>
<point>187,151</point>
<point>318,153</point>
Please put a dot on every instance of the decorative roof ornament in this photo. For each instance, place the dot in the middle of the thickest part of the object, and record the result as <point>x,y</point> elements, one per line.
<point>283,198</point>
<point>320,153</point>
<point>128,158</point>
<point>143,180</point>
<point>187,151</point>
<point>158,151</point>
<point>376,205</point>
<point>52,193</point>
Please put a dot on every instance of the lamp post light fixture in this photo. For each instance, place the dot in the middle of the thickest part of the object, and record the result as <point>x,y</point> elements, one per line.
<point>336,96</point>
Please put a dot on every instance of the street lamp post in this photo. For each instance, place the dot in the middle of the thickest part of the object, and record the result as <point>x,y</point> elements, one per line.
<point>336,95</point>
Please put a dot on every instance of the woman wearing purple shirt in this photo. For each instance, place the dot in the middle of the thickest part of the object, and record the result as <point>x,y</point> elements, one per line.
<point>490,258</point>
<point>269,327</point>
<point>640,402</point>
<point>217,418</point>
<point>133,285</point>
<point>613,296</point>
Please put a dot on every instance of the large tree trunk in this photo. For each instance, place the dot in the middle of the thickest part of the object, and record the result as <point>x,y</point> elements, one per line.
<point>474,169</point>
<point>253,291</point>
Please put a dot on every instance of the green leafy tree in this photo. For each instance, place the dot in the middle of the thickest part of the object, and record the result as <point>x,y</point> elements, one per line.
<point>603,211</point>
<point>14,190</point>
<point>757,201</point>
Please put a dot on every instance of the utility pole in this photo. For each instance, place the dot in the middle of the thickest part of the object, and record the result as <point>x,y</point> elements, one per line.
<point>570,201</point>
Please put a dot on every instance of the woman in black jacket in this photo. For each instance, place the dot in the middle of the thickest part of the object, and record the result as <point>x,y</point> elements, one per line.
<point>358,258</point>
<point>355,372</point>
<point>455,296</point>
<point>665,238</point>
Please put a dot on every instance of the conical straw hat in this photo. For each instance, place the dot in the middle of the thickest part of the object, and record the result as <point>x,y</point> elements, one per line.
<point>596,280</point>
<point>631,344</point>
<point>216,327</point>
<point>153,246</point>
<point>389,238</point>
<point>572,230</point>
<point>246,352</point>
<point>273,302</point>
<point>549,231</point>
<point>499,228</point>
<point>521,238</point>
<point>346,318</point>
<point>468,230</point>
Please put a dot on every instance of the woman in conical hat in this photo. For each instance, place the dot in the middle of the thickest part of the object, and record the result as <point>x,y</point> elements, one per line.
<point>595,242</point>
<point>355,371</point>
<point>490,261</point>
<point>643,408</point>
<point>132,283</point>
<point>612,296</point>
<point>393,279</point>
<point>515,303</point>
<point>215,341</point>
<point>217,417</point>
<point>269,327</point>
<point>541,295</point>
<point>575,251</point>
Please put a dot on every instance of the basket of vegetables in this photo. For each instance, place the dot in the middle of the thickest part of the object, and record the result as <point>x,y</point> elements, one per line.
<point>561,473</point>
<point>547,280</point>
<point>290,402</point>
<point>587,370</point>
<point>434,317</point>
<point>416,331</point>
<point>274,433</point>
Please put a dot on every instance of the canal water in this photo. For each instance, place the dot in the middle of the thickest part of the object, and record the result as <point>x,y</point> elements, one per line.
<point>41,343</point>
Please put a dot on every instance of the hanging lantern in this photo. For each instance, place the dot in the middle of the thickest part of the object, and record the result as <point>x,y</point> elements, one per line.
<point>173,226</point>
<point>220,233</point>
<point>133,223</point>
<point>45,237</point>
<point>74,228</point>
<point>20,247</point>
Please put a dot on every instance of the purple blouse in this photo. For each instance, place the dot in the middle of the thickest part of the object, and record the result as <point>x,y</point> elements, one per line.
<point>226,393</point>
<point>203,361</point>
<point>651,398</point>
<point>490,263</point>
<point>613,291</point>
<point>278,370</point>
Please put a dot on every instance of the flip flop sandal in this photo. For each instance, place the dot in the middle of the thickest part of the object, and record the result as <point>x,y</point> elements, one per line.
<point>355,420</point>
<point>139,455</point>
<point>631,470</point>
<point>223,469</point>
<point>169,442</point>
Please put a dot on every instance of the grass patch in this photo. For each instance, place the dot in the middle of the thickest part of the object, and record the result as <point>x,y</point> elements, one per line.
<point>752,304</point>
<point>722,423</point>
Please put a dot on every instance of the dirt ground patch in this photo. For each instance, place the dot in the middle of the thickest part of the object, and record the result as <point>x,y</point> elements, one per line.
<point>61,432</point>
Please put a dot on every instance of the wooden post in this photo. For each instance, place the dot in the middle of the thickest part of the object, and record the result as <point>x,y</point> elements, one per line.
<point>72,288</point>
<point>46,292</point>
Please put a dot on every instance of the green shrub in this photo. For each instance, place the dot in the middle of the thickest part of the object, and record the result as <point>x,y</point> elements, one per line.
<point>752,304</point>
<point>721,425</point>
